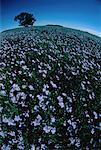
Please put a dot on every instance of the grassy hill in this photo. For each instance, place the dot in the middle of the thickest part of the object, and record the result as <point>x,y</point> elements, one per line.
<point>53,27</point>
<point>50,80</point>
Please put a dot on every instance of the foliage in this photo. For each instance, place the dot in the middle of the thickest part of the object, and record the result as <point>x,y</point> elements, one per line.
<point>25,19</point>
<point>50,90</point>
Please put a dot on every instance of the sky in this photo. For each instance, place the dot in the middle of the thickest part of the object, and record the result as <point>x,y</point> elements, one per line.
<point>80,14</point>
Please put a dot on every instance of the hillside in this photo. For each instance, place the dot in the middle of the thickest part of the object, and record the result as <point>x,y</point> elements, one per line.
<point>50,81</point>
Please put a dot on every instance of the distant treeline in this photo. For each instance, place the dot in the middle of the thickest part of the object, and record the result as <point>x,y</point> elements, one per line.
<point>54,25</point>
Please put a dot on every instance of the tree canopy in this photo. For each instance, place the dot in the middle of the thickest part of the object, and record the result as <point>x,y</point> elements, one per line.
<point>25,19</point>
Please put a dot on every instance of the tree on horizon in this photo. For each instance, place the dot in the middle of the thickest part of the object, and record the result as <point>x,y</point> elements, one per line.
<point>25,19</point>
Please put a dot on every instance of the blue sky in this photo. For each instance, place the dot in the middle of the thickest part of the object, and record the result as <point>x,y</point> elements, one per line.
<point>81,14</point>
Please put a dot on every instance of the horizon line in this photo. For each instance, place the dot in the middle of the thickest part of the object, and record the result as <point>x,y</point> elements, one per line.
<point>84,29</point>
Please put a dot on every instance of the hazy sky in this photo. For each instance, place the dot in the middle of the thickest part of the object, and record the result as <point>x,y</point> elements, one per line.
<point>83,14</point>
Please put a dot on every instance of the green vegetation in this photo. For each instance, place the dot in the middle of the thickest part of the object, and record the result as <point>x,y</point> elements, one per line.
<point>50,80</point>
<point>25,19</point>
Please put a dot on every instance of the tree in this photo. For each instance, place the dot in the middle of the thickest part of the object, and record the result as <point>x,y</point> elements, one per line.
<point>25,19</point>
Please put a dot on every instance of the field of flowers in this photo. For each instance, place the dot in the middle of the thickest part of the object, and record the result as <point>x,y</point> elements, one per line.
<point>50,89</point>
